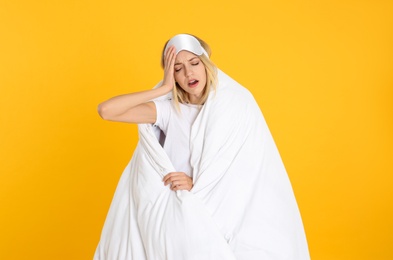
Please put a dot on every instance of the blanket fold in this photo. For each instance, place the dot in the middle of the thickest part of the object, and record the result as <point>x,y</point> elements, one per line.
<point>241,206</point>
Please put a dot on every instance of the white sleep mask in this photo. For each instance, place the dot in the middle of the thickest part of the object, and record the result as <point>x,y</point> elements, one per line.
<point>186,42</point>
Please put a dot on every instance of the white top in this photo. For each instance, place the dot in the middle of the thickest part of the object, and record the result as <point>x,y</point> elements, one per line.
<point>176,125</point>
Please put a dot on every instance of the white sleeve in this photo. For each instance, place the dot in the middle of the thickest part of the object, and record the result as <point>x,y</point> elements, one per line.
<point>164,110</point>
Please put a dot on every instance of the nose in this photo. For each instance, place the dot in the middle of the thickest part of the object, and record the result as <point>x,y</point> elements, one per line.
<point>188,70</point>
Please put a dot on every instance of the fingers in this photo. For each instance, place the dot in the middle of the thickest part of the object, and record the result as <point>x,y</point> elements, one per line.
<point>169,62</point>
<point>178,181</point>
<point>185,186</point>
<point>175,178</point>
<point>179,187</point>
<point>170,57</point>
<point>170,177</point>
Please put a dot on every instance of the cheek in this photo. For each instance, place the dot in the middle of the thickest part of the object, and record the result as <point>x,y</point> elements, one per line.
<point>202,71</point>
<point>179,80</point>
<point>203,74</point>
<point>177,77</point>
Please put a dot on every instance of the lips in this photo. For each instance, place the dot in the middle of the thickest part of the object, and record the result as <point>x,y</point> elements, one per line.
<point>193,83</point>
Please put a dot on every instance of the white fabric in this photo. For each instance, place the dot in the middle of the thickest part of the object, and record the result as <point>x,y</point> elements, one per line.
<point>186,42</point>
<point>241,206</point>
<point>176,126</point>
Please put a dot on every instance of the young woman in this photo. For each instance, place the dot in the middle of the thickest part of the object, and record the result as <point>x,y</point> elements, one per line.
<point>191,76</point>
<point>215,187</point>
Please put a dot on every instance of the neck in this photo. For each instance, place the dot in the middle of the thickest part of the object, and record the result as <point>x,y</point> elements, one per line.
<point>194,99</point>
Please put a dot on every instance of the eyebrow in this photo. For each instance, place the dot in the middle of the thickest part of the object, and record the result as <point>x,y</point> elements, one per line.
<point>188,60</point>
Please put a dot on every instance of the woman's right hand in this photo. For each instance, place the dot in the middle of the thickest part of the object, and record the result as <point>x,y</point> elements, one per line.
<point>137,107</point>
<point>169,68</point>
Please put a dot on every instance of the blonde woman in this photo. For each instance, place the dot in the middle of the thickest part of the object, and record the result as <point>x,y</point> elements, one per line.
<point>215,186</point>
<point>191,76</point>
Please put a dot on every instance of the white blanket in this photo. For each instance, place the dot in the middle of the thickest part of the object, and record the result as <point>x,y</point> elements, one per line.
<point>241,206</point>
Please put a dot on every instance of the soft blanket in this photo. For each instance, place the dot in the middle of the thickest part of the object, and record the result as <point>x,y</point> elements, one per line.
<point>241,206</point>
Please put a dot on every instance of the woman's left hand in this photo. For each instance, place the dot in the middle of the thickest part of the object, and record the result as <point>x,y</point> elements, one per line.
<point>178,181</point>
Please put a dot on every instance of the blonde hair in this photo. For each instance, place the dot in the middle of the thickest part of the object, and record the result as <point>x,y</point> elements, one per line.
<point>179,95</point>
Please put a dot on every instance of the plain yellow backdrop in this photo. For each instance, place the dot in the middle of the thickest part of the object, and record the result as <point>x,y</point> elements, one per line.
<point>321,72</point>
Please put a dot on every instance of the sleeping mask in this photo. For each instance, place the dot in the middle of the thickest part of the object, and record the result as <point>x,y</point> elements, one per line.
<point>186,42</point>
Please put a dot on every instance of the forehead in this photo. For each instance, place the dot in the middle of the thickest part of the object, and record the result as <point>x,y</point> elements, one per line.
<point>185,56</point>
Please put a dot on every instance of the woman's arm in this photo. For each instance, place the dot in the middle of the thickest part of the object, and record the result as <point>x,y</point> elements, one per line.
<point>132,108</point>
<point>137,107</point>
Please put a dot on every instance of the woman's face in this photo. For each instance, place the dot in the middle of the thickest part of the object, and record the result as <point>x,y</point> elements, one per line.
<point>190,74</point>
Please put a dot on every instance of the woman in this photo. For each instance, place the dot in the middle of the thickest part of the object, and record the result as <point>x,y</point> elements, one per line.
<point>191,80</point>
<point>233,199</point>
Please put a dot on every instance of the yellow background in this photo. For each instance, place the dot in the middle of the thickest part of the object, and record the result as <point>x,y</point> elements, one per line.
<point>321,72</point>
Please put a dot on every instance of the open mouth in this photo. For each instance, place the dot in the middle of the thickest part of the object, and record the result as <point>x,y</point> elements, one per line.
<point>193,83</point>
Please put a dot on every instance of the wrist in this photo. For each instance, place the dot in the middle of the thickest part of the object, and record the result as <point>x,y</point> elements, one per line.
<point>167,88</point>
